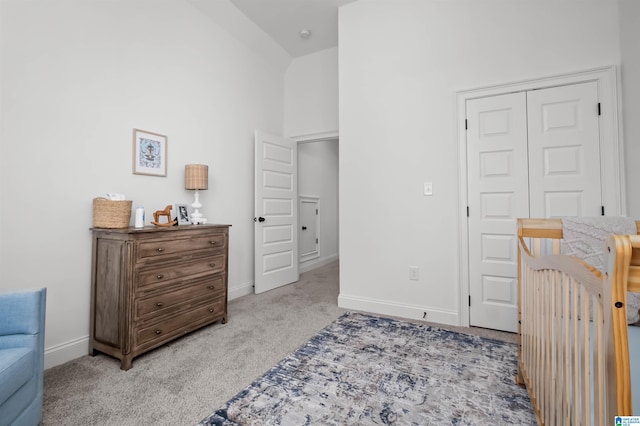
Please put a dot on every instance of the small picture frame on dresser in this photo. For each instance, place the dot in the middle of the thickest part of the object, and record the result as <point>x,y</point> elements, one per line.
<point>184,218</point>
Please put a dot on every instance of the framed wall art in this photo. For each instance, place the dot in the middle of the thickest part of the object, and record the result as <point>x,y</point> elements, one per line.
<point>149,153</point>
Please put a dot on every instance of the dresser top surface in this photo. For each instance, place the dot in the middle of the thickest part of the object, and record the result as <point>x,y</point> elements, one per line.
<point>154,229</point>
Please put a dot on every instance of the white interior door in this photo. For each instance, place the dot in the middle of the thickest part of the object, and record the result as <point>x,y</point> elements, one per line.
<point>564,151</point>
<point>498,195</point>
<point>276,218</point>
<point>529,154</point>
<point>309,236</point>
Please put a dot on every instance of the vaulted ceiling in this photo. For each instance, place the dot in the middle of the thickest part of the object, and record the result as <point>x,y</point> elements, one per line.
<point>283,20</point>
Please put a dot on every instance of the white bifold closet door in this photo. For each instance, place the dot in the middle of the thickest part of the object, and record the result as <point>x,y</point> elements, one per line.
<point>529,154</point>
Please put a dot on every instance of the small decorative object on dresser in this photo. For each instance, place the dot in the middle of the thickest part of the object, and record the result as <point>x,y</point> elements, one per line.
<point>183,214</point>
<point>153,285</point>
<point>160,213</point>
<point>111,213</point>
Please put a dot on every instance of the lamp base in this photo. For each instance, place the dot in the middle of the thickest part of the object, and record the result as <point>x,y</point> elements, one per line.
<point>196,216</point>
<point>198,220</point>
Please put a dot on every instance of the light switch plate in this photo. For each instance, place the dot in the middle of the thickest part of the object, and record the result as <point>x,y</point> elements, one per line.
<point>414,273</point>
<point>428,188</point>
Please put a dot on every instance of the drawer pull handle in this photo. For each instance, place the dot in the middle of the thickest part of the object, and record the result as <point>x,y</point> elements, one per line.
<point>213,265</point>
<point>158,331</point>
<point>159,304</point>
<point>211,287</point>
<point>211,310</point>
<point>213,243</point>
<point>159,276</point>
<point>160,249</point>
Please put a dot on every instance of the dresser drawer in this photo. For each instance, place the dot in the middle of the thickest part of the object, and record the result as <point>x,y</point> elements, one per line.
<point>183,323</point>
<point>155,248</point>
<point>146,277</point>
<point>165,303</point>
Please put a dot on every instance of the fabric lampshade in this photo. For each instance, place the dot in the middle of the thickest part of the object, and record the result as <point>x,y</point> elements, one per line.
<point>196,176</point>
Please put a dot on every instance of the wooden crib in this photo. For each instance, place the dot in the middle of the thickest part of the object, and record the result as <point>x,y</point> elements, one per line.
<point>577,371</point>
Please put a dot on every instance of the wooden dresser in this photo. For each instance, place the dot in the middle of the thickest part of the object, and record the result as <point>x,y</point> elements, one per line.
<point>154,284</point>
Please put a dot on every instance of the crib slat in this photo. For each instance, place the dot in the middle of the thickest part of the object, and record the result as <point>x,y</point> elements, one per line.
<point>539,331</point>
<point>535,333</point>
<point>536,246</point>
<point>532,339</point>
<point>544,369</point>
<point>598,394</point>
<point>541,336</point>
<point>567,353</point>
<point>553,348</point>
<point>575,347</point>
<point>546,332</point>
<point>551,371</point>
<point>585,366</point>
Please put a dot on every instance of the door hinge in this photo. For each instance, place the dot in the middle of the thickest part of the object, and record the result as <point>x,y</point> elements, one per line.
<point>469,300</point>
<point>316,241</point>
<point>599,110</point>
<point>467,211</point>
<point>602,209</point>
<point>316,212</point>
<point>466,124</point>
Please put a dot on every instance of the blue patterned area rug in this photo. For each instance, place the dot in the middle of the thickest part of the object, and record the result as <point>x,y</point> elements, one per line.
<point>366,370</point>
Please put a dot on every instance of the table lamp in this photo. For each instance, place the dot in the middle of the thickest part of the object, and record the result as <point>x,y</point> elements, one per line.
<point>196,176</point>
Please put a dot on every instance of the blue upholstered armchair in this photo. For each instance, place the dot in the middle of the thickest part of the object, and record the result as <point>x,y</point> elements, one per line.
<point>21,357</point>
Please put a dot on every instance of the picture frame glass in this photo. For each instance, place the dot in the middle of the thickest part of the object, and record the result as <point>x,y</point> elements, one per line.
<point>184,216</point>
<point>149,153</point>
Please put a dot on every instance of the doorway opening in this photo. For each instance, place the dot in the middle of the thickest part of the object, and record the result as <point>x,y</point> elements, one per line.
<point>285,169</point>
<point>318,180</point>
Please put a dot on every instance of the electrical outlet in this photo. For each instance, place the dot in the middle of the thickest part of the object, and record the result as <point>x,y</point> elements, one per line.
<point>414,273</point>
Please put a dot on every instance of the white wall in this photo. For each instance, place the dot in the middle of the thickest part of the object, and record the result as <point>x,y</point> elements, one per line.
<point>400,65</point>
<point>630,76</point>
<point>318,177</point>
<point>311,95</point>
<point>76,78</point>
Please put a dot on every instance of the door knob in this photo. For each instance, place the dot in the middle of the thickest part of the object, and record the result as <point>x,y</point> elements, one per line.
<point>261,219</point>
<point>304,228</point>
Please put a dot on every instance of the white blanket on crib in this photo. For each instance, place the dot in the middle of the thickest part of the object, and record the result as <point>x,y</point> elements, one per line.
<point>585,238</point>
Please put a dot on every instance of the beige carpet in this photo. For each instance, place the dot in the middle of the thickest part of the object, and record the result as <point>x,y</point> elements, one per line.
<point>185,381</point>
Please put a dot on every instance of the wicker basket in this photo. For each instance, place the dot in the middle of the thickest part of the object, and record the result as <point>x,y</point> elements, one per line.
<point>111,214</point>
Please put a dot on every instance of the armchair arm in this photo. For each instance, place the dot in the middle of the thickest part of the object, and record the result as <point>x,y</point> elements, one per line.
<point>22,320</point>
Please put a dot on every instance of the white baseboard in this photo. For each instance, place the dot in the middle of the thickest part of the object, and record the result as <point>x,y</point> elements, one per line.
<point>64,352</point>
<point>240,291</point>
<point>398,310</point>
<point>316,263</point>
<point>68,351</point>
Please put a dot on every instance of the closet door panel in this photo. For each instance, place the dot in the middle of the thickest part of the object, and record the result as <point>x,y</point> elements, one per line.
<point>498,195</point>
<point>564,151</point>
